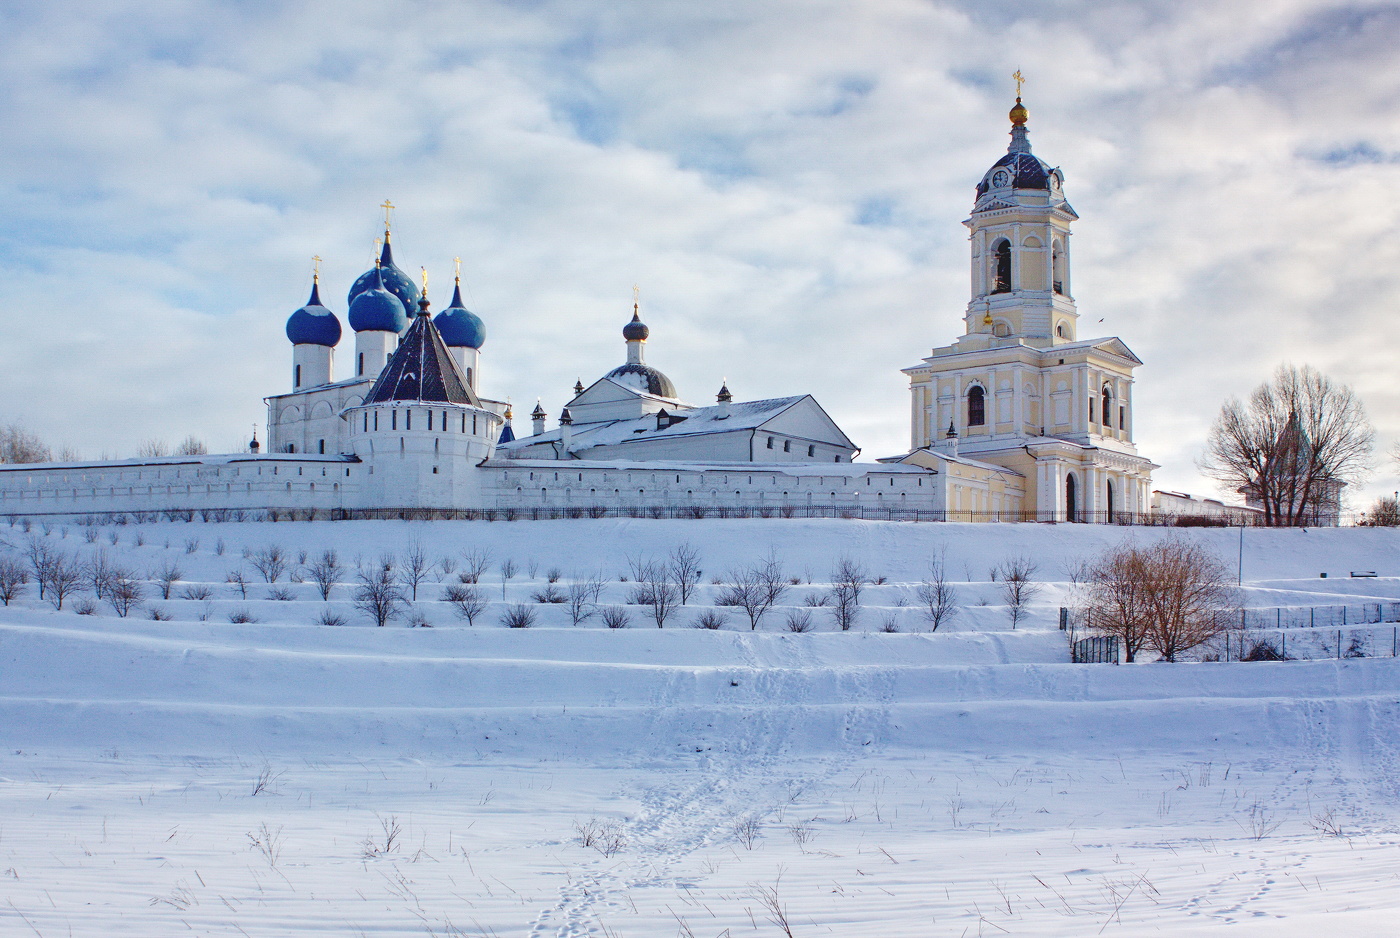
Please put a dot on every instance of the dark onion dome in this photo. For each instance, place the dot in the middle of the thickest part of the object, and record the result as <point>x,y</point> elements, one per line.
<point>313,324</point>
<point>394,280</point>
<point>459,326</point>
<point>1020,168</point>
<point>636,330</point>
<point>376,309</point>
<point>643,378</point>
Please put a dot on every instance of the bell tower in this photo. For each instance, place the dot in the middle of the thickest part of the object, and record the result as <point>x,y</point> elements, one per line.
<point>1020,235</point>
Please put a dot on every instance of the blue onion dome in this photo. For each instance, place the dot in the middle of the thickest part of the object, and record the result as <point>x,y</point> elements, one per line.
<point>377,309</point>
<point>459,326</point>
<point>636,330</point>
<point>313,324</point>
<point>392,279</point>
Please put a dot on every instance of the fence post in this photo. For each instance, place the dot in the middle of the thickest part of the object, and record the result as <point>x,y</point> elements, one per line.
<point>1339,644</point>
<point>1278,616</point>
<point>1311,616</point>
<point>1344,615</point>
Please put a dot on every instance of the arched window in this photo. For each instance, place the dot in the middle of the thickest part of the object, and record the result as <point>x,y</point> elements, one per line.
<point>1001,267</point>
<point>1108,501</point>
<point>1001,330</point>
<point>1057,264</point>
<point>1061,331</point>
<point>1071,498</point>
<point>1106,398</point>
<point>976,406</point>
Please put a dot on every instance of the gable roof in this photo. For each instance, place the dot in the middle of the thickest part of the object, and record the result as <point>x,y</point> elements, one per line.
<point>422,369</point>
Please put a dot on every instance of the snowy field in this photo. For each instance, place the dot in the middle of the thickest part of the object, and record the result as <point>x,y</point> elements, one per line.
<point>192,775</point>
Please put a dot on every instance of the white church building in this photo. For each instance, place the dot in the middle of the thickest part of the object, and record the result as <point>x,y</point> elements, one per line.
<point>1017,419</point>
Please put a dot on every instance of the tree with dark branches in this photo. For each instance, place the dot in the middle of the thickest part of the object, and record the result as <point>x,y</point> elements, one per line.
<point>378,594</point>
<point>685,569</point>
<point>1291,447</point>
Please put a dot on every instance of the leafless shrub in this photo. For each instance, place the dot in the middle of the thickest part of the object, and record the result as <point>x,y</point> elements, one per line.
<point>890,624</point>
<point>330,618</point>
<point>547,595</point>
<point>607,837</point>
<point>746,829</point>
<point>242,617</point>
<point>197,591</point>
<point>816,600</point>
<point>615,617</point>
<point>157,614</point>
<point>414,568</point>
<point>417,619</point>
<point>263,784</point>
<point>767,896</point>
<point>655,589</point>
<point>1018,586</point>
<point>446,566</point>
<point>13,577</point>
<point>1260,822</point>
<point>90,534</point>
<point>518,616</point>
<point>219,547</point>
<point>325,571</point>
<point>466,601</point>
<point>475,563</point>
<point>239,580</point>
<point>270,562</point>
<point>85,607</point>
<point>710,620</point>
<point>802,834</point>
<point>553,574</point>
<point>798,620</point>
<point>268,843</point>
<point>167,575</point>
<point>124,592</point>
<point>1327,824</point>
<point>378,594</point>
<point>935,594</point>
<point>191,545</point>
<point>280,595</point>
<point>386,843</point>
<point>683,567</point>
<point>583,594</point>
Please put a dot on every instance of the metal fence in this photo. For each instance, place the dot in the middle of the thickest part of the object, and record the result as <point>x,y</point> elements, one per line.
<point>1096,649</point>
<point>1360,641</point>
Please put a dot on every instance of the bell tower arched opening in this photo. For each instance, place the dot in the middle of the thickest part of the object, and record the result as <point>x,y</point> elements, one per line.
<point>1001,267</point>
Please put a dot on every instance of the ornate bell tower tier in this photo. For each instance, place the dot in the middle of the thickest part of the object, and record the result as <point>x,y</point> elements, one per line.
<point>1019,390</point>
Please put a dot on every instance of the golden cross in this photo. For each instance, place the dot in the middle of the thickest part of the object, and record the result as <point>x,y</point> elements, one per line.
<point>378,244</point>
<point>316,267</point>
<point>1020,80</point>
<point>636,297</point>
<point>388,208</point>
<point>457,267</point>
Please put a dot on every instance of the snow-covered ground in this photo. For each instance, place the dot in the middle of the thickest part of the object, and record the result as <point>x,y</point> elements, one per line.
<point>280,777</point>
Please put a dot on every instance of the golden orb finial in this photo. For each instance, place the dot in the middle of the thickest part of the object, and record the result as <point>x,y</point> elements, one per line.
<point>1018,113</point>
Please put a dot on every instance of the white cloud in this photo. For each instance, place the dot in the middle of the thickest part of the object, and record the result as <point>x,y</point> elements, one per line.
<point>784,180</point>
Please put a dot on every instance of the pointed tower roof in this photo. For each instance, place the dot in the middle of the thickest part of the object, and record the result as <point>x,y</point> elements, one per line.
<point>422,369</point>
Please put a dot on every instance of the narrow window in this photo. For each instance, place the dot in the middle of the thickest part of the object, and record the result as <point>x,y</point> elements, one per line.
<point>296,378</point>
<point>811,451</point>
<point>770,442</point>
<point>1001,270</point>
<point>361,369</point>
<point>976,407</point>
<point>1107,416</point>
<point>408,418</point>
<point>430,420</point>
<point>471,380</point>
<point>366,427</point>
<point>464,423</point>
<point>787,446</point>
<point>323,447</point>
<point>1058,267</point>
<point>393,420</point>
<point>376,420</point>
<point>1122,417</point>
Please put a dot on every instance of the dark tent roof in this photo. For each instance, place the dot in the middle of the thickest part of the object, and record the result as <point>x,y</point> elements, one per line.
<point>422,369</point>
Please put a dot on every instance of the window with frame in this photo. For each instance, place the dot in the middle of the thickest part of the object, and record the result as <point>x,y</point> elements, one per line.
<point>976,406</point>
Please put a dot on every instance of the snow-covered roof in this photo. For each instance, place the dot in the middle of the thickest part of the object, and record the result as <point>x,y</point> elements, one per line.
<point>805,469</point>
<point>697,421</point>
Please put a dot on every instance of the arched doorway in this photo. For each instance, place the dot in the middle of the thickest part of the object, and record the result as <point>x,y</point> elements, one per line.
<point>1071,498</point>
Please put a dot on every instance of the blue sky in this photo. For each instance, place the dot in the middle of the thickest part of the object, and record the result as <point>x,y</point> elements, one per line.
<point>784,180</point>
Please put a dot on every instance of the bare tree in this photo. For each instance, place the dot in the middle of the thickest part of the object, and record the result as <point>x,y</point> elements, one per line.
<point>475,563</point>
<point>18,445</point>
<point>325,571</point>
<point>1114,594</point>
<point>1291,447</point>
<point>1188,588</point>
<point>1018,586</point>
<point>167,576</point>
<point>1385,513</point>
<point>378,595</point>
<point>40,559</point>
<point>191,446</point>
<point>655,589</point>
<point>615,617</point>
<point>271,562</point>
<point>123,592</point>
<point>508,572</point>
<point>685,570</point>
<point>583,597</point>
<point>98,573</point>
<point>13,577</point>
<point>62,577</point>
<point>415,567</point>
<point>847,580</point>
<point>239,580</point>
<point>153,449</point>
<point>772,576</point>
<point>936,594</point>
<point>466,601</point>
<point>748,590</point>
